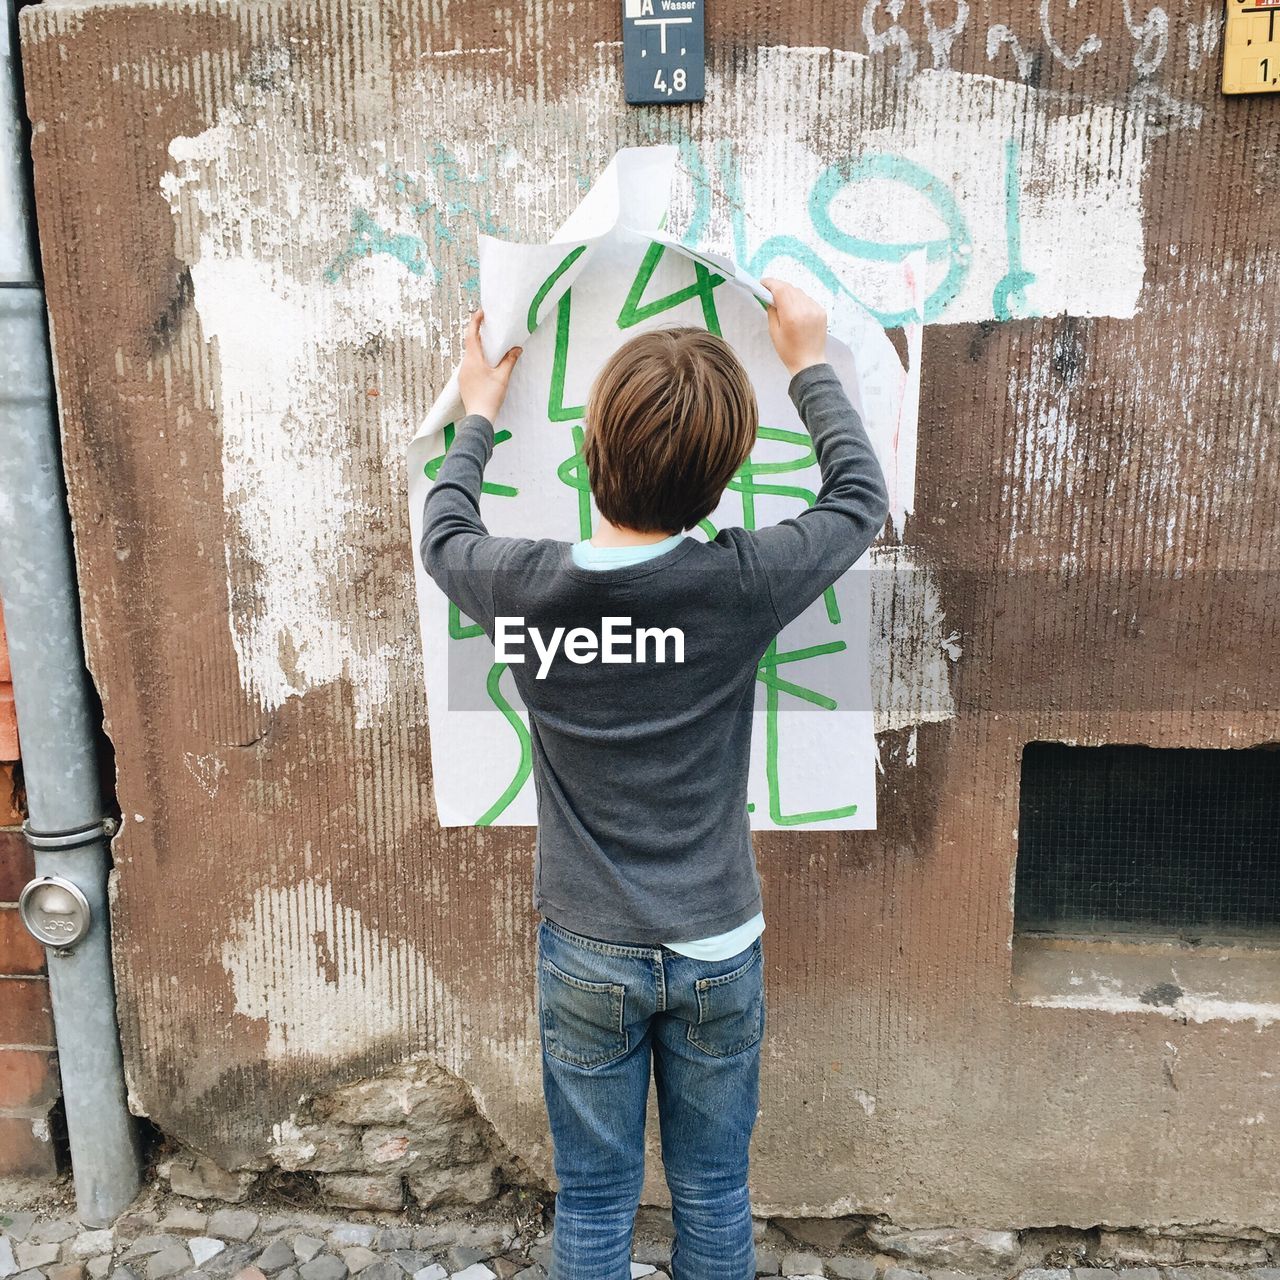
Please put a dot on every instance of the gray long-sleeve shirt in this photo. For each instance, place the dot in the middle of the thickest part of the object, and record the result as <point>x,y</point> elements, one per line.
<point>640,768</point>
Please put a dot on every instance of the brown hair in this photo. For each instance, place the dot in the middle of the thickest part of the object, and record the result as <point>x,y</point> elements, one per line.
<point>670,418</point>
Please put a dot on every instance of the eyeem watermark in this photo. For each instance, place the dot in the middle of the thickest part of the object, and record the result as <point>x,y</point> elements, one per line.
<point>617,641</point>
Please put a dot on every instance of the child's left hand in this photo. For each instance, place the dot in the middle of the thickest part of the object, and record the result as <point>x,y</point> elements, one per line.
<point>483,386</point>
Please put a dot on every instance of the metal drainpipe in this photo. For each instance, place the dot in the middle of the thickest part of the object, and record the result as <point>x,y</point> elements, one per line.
<point>65,827</point>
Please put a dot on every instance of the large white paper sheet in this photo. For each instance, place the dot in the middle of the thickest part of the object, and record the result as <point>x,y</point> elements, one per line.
<point>610,273</point>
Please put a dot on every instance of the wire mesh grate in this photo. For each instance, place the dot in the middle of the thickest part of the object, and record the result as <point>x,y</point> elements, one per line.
<point>1129,839</point>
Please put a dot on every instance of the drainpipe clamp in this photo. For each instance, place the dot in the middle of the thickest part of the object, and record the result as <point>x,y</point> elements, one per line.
<point>61,841</point>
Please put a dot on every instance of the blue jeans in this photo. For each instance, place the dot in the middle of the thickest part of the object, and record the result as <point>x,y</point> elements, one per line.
<point>606,1009</point>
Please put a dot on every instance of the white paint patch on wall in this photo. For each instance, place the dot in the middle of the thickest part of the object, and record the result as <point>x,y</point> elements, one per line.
<point>291,492</point>
<point>1187,1007</point>
<point>912,647</point>
<point>1200,473</point>
<point>1178,474</point>
<point>295,493</point>
<point>997,179</point>
<point>1046,465</point>
<point>324,982</point>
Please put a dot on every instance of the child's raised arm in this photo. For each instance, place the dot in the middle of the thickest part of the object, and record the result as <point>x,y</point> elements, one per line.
<point>804,555</point>
<point>457,550</point>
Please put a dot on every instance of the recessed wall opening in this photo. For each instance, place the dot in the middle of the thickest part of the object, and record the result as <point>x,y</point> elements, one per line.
<point>1141,842</point>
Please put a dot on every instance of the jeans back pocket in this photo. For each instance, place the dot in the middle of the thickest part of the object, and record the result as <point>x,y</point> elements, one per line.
<point>582,1021</point>
<point>731,1008</point>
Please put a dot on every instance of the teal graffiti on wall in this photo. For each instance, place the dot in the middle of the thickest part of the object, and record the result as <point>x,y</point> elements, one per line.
<point>459,196</point>
<point>953,248</point>
<point>451,197</point>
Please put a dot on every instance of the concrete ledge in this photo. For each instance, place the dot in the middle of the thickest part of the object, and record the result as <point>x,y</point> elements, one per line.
<point>1232,981</point>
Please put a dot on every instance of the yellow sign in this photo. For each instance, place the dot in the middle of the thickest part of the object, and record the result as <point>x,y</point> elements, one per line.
<point>1251,47</point>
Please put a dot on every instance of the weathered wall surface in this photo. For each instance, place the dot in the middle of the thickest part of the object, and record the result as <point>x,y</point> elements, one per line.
<point>258,225</point>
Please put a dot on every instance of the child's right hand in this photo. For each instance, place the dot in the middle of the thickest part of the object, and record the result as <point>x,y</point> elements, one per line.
<point>481,385</point>
<point>797,325</point>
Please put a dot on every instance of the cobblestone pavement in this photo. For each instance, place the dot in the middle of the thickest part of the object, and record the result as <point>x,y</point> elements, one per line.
<point>163,1237</point>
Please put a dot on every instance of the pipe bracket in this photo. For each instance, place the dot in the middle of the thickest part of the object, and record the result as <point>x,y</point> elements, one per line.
<point>62,841</point>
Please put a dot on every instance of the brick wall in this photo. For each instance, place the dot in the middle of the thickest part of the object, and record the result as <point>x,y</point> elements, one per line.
<point>28,1061</point>
<point>8,716</point>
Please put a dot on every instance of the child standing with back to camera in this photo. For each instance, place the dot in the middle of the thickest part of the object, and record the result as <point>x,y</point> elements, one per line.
<point>650,952</point>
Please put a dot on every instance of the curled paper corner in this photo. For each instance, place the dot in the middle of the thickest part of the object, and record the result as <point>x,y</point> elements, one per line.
<point>522,282</point>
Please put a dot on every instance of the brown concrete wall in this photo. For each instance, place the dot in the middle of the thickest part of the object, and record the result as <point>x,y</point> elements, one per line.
<point>288,917</point>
